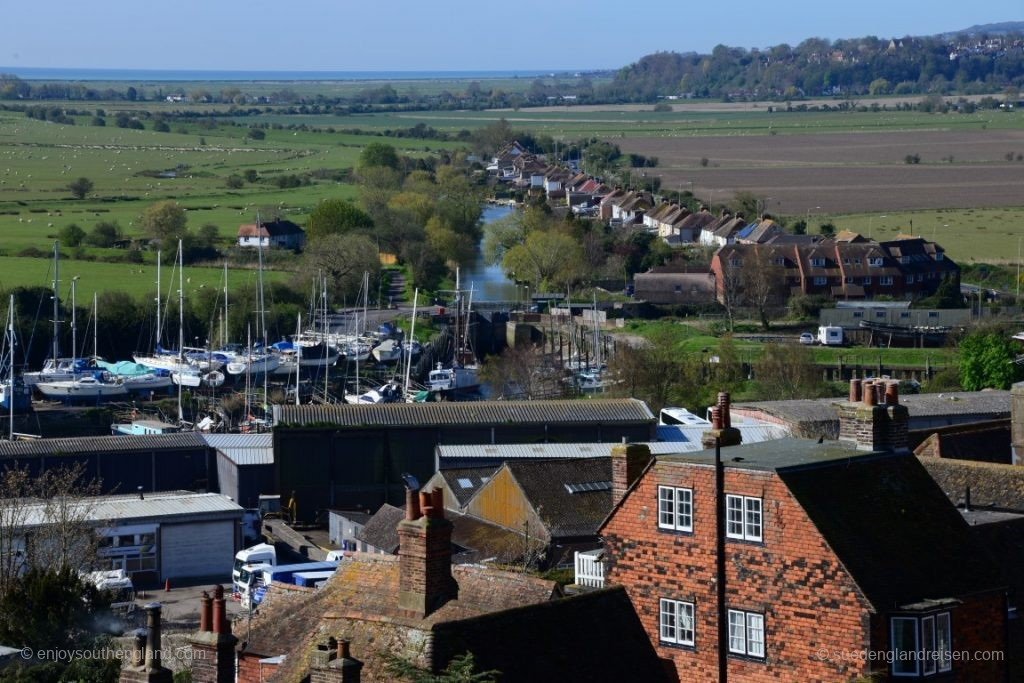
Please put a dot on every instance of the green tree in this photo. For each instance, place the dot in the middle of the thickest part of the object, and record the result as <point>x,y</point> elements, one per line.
<point>987,360</point>
<point>460,669</point>
<point>336,217</point>
<point>234,181</point>
<point>165,220</point>
<point>342,259</point>
<point>787,371</point>
<point>104,234</point>
<point>545,259</point>
<point>255,134</point>
<point>208,235</point>
<point>80,188</point>
<point>378,154</point>
<point>72,235</point>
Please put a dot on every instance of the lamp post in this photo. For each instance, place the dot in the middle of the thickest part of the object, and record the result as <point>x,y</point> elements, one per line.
<point>870,222</point>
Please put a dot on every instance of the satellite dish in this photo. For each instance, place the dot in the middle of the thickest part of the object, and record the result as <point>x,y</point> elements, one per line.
<point>411,482</point>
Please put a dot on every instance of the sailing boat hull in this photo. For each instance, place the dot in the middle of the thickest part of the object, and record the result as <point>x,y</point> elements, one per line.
<point>22,396</point>
<point>82,390</point>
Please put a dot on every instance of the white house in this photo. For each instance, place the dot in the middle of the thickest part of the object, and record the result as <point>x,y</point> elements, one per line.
<point>277,233</point>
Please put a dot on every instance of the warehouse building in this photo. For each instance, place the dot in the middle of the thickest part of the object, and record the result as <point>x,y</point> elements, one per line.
<point>245,466</point>
<point>169,535</point>
<point>122,464</point>
<point>353,456</point>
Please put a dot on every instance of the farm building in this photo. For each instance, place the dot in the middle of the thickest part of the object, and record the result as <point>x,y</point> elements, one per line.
<point>355,455</point>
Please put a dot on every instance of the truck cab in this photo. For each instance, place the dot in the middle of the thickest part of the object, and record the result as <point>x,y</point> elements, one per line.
<point>260,555</point>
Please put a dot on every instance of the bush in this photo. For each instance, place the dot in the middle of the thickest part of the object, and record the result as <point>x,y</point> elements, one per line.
<point>104,234</point>
<point>72,235</point>
<point>234,181</point>
<point>912,159</point>
<point>256,134</point>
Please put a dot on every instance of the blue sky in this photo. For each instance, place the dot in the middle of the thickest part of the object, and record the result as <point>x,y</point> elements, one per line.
<point>411,35</point>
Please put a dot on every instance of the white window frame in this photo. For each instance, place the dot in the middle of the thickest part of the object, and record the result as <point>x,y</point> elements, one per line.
<point>675,508</point>
<point>876,261</point>
<point>943,641</point>
<point>746,633</point>
<point>744,518</point>
<point>676,622</point>
<point>817,262</point>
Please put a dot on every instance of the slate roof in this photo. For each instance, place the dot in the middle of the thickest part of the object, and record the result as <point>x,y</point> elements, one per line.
<point>994,486</point>
<point>565,514</point>
<point>893,529</point>
<point>101,444</point>
<point>466,481</point>
<point>381,530</point>
<point>597,411</point>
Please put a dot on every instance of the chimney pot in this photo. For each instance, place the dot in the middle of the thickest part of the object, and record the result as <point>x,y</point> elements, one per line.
<point>716,417</point>
<point>141,497</point>
<point>437,501</point>
<point>412,505</point>
<point>425,503</point>
<point>205,612</point>
<point>880,392</point>
<point>892,394</point>
<point>855,390</point>
<point>723,407</point>
<point>869,393</point>
<point>343,649</point>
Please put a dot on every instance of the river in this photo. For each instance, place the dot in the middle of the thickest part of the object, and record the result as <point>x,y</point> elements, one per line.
<point>489,282</point>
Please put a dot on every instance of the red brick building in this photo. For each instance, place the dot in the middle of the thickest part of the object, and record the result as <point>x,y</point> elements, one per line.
<point>839,559</point>
<point>846,267</point>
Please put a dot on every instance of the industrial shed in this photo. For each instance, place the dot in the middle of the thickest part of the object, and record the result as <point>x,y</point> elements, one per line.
<point>353,456</point>
<point>245,466</point>
<point>169,535</point>
<point>122,464</point>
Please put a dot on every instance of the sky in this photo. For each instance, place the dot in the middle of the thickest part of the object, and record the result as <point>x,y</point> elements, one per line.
<point>449,35</point>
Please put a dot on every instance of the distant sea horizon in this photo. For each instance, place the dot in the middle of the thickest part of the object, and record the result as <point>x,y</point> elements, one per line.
<point>75,74</point>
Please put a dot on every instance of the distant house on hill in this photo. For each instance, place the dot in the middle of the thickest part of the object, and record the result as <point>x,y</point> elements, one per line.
<point>277,233</point>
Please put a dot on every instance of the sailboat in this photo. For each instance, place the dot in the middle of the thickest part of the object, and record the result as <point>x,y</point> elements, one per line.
<point>461,375</point>
<point>256,359</point>
<point>14,395</point>
<point>56,368</point>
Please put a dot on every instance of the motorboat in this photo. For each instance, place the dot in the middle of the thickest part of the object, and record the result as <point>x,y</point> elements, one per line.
<point>59,370</point>
<point>453,379</point>
<point>390,392</point>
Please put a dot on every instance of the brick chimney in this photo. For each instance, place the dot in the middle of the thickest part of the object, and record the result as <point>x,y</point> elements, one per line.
<point>333,663</point>
<point>628,463</point>
<point>425,581</point>
<point>145,666</point>
<point>873,418</point>
<point>213,647</point>
<point>721,425</point>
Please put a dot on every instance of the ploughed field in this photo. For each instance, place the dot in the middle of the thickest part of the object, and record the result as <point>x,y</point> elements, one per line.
<point>834,173</point>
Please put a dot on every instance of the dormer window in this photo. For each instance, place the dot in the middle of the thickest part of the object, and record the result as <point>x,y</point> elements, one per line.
<point>938,256</point>
<point>875,261</point>
<point>817,262</point>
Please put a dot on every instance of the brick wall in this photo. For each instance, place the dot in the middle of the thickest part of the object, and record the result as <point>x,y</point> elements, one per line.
<point>877,427</point>
<point>810,604</point>
<point>250,670</point>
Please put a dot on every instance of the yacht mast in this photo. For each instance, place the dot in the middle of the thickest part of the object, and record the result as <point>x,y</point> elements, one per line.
<point>181,330</point>
<point>95,328</point>
<point>298,357</point>
<point>56,302</point>
<point>224,325</point>
<point>158,320</point>
<point>10,375</point>
<point>412,338</point>
<point>74,321</point>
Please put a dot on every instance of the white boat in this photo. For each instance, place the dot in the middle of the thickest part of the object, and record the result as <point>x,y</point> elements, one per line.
<point>86,388</point>
<point>254,364</point>
<point>356,350</point>
<point>188,377</point>
<point>412,348</point>
<point>386,393</point>
<point>388,351</point>
<point>63,369</point>
<point>147,382</point>
<point>589,381</point>
<point>174,362</point>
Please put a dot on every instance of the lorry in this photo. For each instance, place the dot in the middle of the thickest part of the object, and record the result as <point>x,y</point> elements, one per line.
<point>119,585</point>
<point>261,554</point>
<point>255,580</point>
<point>830,335</point>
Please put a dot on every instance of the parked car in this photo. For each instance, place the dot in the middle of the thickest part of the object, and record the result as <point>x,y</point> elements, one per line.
<point>806,338</point>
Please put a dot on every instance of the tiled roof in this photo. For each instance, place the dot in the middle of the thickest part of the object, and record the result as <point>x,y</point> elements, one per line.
<point>993,486</point>
<point>893,529</point>
<point>381,530</point>
<point>360,602</point>
<point>603,411</point>
<point>101,444</point>
<point>565,514</point>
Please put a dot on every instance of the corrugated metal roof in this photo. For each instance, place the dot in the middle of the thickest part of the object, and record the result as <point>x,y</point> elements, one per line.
<point>244,449</point>
<point>166,505</point>
<point>672,439</point>
<point>606,411</point>
<point>101,444</point>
